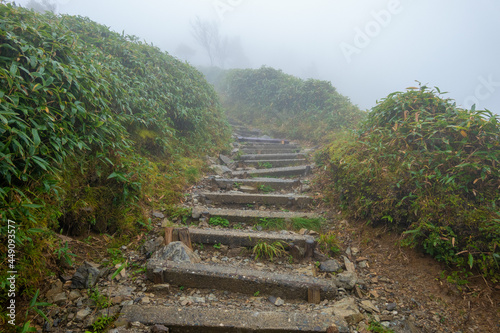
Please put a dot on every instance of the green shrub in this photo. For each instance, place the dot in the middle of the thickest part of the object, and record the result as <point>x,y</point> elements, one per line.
<point>285,105</point>
<point>92,124</point>
<point>424,166</point>
<point>328,243</point>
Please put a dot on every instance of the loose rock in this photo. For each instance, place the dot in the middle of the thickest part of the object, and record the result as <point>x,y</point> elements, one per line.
<point>86,276</point>
<point>178,252</point>
<point>330,266</point>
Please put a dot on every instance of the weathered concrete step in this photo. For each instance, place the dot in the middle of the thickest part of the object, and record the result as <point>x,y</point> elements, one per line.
<point>248,216</point>
<point>274,183</point>
<point>252,145</point>
<point>236,279</point>
<point>247,133</point>
<point>207,320</point>
<point>262,140</point>
<point>263,151</point>
<point>249,198</point>
<point>302,170</point>
<point>272,156</point>
<point>274,163</point>
<point>235,238</point>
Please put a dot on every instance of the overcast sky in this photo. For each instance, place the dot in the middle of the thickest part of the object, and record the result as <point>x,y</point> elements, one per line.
<point>366,48</point>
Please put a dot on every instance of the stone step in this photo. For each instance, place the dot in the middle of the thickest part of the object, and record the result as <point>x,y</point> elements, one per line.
<point>263,151</point>
<point>262,140</point>
<point>237,279</point>
<point>247,133</point>
<point>250,145</point>
<point>272,156</point>
<point>273,163</point>
<point>209,320</point>
<point>249,198</point>
<point>302,170</point>
<point>275,183</point>
<point>236,238</point>
<point>248,216</point>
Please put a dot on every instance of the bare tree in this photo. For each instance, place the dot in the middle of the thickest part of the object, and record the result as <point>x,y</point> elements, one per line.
<point>207,34</point>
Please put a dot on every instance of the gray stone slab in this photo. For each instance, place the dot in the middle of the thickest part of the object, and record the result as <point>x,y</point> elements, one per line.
<point>250,145</point>
<point>275,183</point>
<point>274,163</point>
<point>235,238</point>
<point>257,139</point>
<point>236,279</point>
<point>209,320</point>
<point>269,151</point>
<point>249,216</point>
<point>247,133</point>
<point>250,198</point>
<point>272,156</point>
<point>301,170</point>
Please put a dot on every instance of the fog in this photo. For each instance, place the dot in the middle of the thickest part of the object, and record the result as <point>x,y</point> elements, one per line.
<point>366,48</point>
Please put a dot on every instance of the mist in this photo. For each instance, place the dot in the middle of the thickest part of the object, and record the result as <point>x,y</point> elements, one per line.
<point>366,48</point>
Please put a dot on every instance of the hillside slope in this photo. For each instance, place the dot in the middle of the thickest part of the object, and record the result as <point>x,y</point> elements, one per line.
<point>94,127</point>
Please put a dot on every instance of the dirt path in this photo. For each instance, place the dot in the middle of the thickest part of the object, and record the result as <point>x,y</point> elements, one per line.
<point>371,284</point>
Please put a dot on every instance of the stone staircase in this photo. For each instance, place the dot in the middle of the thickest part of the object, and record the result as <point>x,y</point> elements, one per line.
<point>265,181</point>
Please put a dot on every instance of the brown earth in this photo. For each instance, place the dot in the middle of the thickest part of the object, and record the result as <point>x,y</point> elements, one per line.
<point>419,282</point>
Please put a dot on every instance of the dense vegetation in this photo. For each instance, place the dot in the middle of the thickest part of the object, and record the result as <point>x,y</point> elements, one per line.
<point>94,126</point>
<point>285,105</point>
<point>421,165</point>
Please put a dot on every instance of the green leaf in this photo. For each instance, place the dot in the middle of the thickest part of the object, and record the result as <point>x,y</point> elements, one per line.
<point>119,270</point>
<point>36,137</point>
<point>471,260</point>
<point>27,327</point>
<point>33,300</point>
<point>32,206</point>
<point>13,69</point>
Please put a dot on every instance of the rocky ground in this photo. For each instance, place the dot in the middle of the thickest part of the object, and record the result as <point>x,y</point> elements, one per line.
<point>393,288</point>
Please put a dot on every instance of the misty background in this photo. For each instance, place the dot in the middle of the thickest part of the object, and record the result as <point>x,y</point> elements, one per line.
<point>366,48</point>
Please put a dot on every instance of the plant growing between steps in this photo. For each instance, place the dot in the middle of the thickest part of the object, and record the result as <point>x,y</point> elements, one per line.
<point>271,223</point>
<point>268,250</point>
<point>265,165</point>
<point>307,223</point>
<point>265,188</point>
<point>218,221</point>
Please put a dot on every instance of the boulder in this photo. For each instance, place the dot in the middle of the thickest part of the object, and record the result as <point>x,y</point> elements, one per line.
<point>220,169</point>
<point>345,307</point>
<point>86,276</point>
<point>346,280</point>
<point>330,266</point>
<point>178,252</point>
<point>152,245</point>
